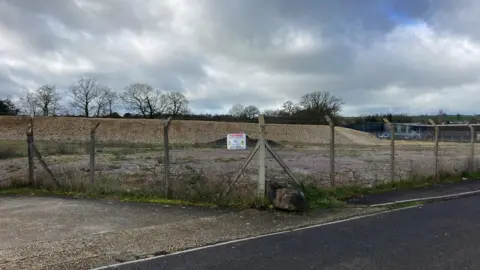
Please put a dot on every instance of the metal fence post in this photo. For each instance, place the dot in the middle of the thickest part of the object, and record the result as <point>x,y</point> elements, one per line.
<point>391,127</point>
<point>332,150</point>
<point>435,150</point>
<point>166,158</point>
<point>261,156</point>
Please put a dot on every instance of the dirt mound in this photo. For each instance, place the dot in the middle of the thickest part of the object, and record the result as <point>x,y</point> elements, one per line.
<point>358,137</point>
<point>181,132</point>
<point>250,142</point>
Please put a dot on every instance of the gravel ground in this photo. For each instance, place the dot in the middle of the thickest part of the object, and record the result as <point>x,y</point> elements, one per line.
<point>354,165</point>
<point>58,233</point>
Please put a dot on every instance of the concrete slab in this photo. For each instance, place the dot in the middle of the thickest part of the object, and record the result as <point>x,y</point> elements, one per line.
<point>32,219</point>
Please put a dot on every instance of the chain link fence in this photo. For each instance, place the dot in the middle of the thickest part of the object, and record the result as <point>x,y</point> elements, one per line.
<point>172,161</point>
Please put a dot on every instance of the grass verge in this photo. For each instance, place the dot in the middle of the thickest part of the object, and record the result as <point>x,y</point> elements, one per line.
<point>336,197</point>
<point>318,198</point>
<point>120,196</point>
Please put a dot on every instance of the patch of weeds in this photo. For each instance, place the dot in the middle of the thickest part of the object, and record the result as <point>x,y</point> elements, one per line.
<point>323,198</point>
<point>76,184</point>
<point>472,175</point>
<point>114,166</point>
<point>198,187</point>
<point>188,159</point>
<point>119,156</point>
<point>349,152</point>
<point>10,151</point>
<point>227,159</point>
<point>121,151</point>
<point>59,148</point>
<point>335,197</point>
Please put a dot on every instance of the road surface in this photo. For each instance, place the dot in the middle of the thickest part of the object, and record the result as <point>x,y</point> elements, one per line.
<point>443,235</point>
<point>425,192</point>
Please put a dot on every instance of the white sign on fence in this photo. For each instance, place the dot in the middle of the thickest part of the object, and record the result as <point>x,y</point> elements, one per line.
<point>237,141</point>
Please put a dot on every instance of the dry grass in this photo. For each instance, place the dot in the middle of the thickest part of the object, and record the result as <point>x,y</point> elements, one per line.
<point>191,185</point>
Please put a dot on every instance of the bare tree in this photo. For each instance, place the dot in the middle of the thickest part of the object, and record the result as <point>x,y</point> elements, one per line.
<point>47,99</point>
<point>237,110</point>
<point>290,108</point>
<point>104,101</point>
<point>112,98</point>
<point>177,103</point>
<point>251,111</point>
<point>28,104</point>
<point>321,103</point>
<point>145,100</point>
<point>84,94</point>
<point>272,112</point>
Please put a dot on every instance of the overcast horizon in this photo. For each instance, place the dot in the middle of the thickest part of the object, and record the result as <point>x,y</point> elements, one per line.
<point>379,56</point>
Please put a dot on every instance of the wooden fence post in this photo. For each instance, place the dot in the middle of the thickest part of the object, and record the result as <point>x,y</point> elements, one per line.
<point>92,152</point>
<point>166,159</point>
<point>435,150</point>
<point>391,127</point>
<point>31,155</point>
<point>332,150</point>
<point>261,156</point>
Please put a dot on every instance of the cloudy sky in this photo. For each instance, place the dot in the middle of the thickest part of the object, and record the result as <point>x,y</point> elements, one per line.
<point>408,56</point>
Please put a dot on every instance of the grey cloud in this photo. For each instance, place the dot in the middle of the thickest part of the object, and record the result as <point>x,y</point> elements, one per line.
<point>355,49</point>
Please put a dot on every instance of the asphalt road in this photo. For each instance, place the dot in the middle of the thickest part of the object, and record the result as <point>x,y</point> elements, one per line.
<point>444,235</point>
<point>430,191</point>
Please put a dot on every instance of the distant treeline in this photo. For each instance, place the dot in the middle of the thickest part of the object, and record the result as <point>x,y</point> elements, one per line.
<point>287,119</point>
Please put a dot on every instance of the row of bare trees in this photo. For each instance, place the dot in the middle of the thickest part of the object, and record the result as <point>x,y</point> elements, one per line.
<point>314,104</point>
<point>89,98</point>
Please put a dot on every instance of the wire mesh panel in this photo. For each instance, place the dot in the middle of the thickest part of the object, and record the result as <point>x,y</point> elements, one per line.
<point>413,160</point>
<point>13,165</point>
<point>414,151</point>
<point>361,165</point>
<point>208,167</point>
<point>302,150</point>
<point>201,164</point>
<point>118,166</point>
<point>475,149</point>
<point>88,162</point>
<point>454,149</point>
